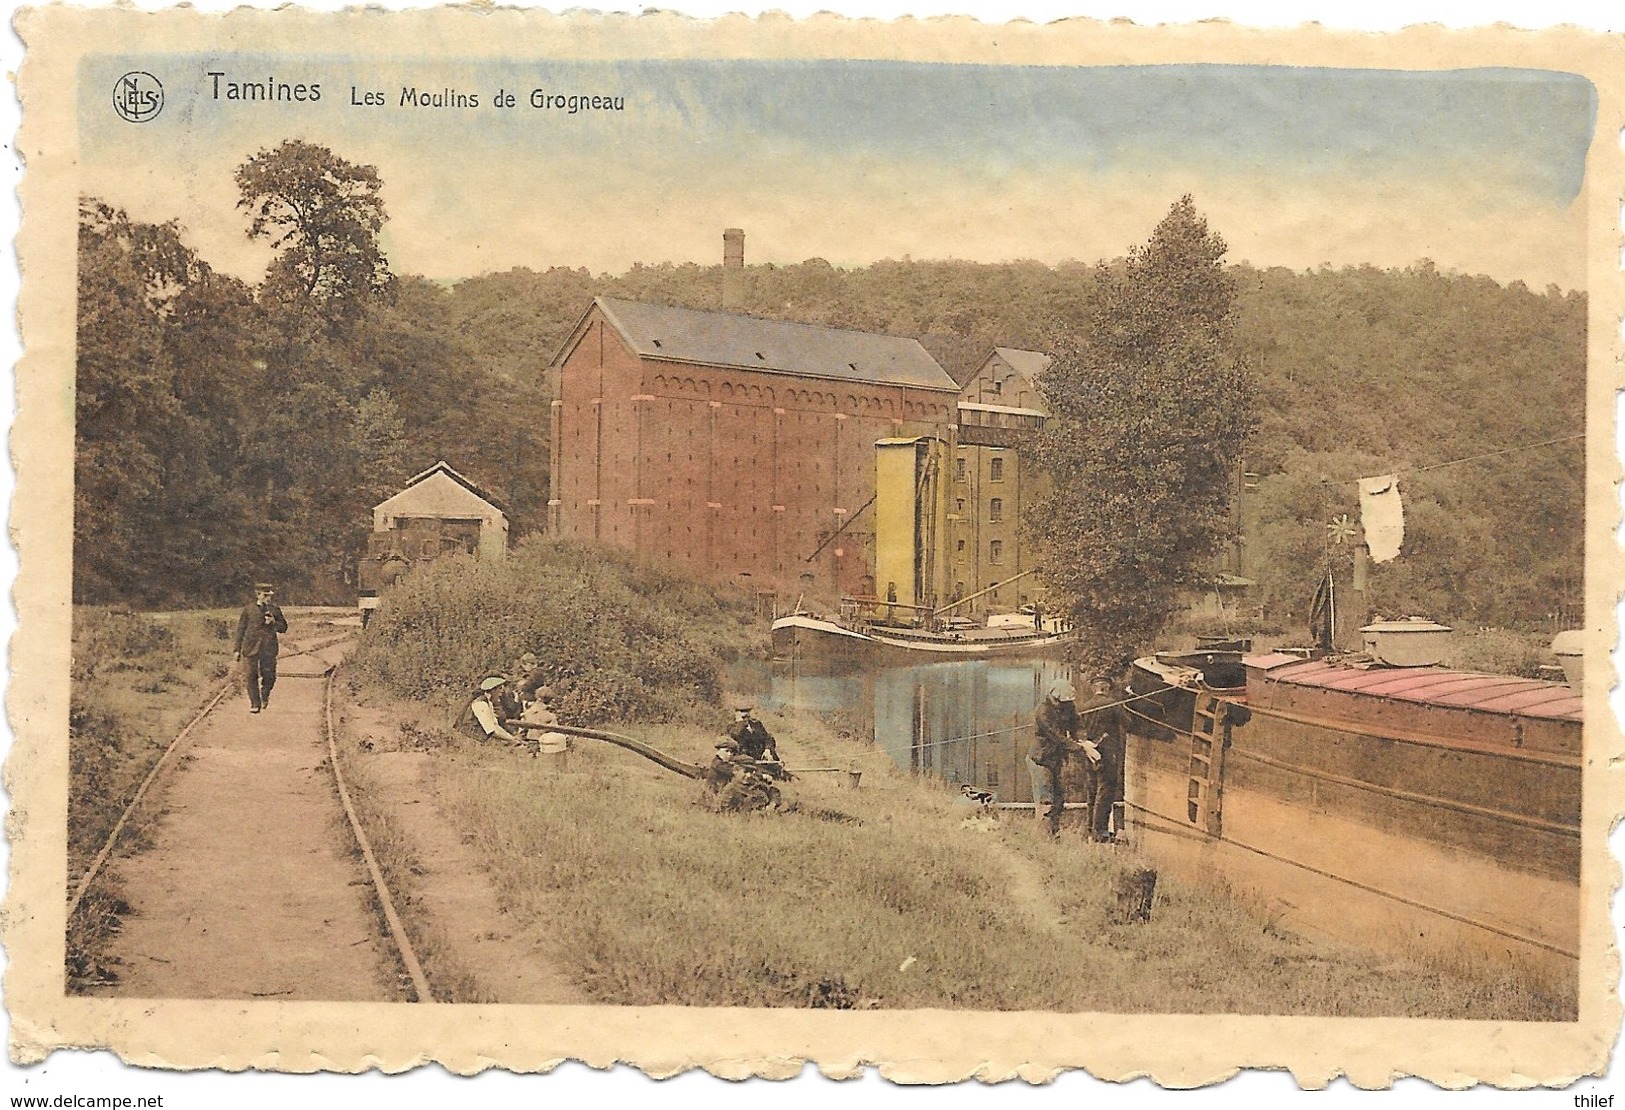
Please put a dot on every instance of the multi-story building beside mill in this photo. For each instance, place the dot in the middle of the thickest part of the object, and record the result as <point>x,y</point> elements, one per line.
<point>999,405</point>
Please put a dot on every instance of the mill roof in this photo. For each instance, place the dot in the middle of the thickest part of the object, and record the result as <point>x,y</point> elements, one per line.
<point>1027,363</point>
<point>775,346</point>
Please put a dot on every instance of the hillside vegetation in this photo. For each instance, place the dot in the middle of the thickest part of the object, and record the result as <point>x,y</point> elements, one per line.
<point>228,431</point>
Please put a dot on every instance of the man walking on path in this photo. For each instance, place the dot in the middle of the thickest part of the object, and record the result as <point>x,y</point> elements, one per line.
<point>256,645</point>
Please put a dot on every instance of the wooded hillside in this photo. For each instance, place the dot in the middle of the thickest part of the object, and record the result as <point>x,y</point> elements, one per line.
<point>228,432</point>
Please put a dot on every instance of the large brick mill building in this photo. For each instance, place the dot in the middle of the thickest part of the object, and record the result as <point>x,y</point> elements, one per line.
<point>732,445</point>
<point>747,449</point>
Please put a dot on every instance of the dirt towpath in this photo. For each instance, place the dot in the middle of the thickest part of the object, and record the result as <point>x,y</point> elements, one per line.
<point>250,888</point>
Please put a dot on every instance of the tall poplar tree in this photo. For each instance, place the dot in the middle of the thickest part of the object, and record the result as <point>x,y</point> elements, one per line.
<point>1151,406</point>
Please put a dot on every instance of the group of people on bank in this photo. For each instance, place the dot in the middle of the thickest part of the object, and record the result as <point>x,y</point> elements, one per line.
<point>745,766</point>
<point>1094,733</point>
<point>520,711</point>
<point>517,710</point>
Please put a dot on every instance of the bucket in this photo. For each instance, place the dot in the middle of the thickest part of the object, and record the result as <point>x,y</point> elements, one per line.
<point>1569,647</point>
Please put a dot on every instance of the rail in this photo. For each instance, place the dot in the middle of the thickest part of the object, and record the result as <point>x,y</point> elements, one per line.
<point>101,857</point>
<point>396,929</point>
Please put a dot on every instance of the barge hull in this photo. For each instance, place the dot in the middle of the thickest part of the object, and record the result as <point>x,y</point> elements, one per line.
<point>1406,843</point>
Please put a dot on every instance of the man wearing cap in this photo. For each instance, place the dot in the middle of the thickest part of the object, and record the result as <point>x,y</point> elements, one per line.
<point>529,676</point>
<point>1103,725</point>
<point>484,709</point>
<point>737,783</point>
<point>256,644</point>
<point>752,737</point>
<point>1056,724</point>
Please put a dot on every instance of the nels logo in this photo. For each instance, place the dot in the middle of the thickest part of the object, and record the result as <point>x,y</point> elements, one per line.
<point>138,97</point>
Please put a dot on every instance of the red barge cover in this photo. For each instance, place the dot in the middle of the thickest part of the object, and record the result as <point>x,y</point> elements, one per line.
<point>1524,697</point>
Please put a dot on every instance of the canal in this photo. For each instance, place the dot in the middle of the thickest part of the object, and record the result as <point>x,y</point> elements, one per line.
<point>965,722</point>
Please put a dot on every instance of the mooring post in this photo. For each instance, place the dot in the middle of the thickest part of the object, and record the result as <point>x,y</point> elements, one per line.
<point>1132,892</point>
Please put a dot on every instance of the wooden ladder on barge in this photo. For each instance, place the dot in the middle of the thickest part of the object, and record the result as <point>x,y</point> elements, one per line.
<point>1204,796</point>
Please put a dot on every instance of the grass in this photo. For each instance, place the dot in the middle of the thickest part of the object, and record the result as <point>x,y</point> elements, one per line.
<point>893,895</point>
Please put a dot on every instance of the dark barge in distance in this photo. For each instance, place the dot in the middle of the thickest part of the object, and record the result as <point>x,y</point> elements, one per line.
<point>1411,809</point>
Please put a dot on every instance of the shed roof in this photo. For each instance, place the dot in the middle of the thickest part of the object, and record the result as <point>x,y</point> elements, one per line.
<point>774,346</point>
<point>1492,693</point>
<point>440,491</point>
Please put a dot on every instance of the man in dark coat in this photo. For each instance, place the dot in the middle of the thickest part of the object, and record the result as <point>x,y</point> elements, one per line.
<point>754,741</point>
<point>256,644</point>
<point>1056,724</point>
<point>1104,727</point>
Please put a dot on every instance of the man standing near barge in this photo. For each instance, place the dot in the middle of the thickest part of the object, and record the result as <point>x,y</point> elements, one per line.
<point>1056,725</point>
<point>1104,726</point>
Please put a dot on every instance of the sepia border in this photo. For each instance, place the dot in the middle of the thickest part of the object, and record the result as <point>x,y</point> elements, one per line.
<point>1178,1051</point>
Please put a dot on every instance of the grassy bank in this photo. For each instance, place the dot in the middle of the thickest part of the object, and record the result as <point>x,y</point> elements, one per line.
<point>895,894</point>
<point>892,895</point>
<point>136,680</point>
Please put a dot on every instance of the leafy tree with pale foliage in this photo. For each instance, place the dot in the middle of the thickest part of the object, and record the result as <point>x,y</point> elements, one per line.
<point>1151,406</point>
<point>323,214</point>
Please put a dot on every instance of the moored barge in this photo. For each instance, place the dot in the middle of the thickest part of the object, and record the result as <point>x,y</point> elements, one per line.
<point>800,637</point>
<point>1412,809</point>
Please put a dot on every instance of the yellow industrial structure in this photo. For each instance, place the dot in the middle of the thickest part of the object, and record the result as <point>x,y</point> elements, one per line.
<point>910,519</point>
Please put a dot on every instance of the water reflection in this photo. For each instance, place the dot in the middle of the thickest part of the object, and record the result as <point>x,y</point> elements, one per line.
<point>964,721</point>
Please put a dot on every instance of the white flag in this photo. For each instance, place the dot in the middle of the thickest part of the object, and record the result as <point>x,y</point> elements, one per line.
<point>1382,516</point>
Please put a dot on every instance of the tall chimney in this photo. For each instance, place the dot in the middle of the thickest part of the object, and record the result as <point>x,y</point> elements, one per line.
<point>733,267</point>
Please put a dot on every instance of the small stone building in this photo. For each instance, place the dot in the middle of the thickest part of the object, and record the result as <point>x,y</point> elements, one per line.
<point>439,512</point>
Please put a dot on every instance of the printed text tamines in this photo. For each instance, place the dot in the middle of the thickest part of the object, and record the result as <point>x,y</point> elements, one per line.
<point>226,86</point>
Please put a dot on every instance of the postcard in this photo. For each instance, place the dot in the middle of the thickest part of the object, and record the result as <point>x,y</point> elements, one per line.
<point>949,550</point>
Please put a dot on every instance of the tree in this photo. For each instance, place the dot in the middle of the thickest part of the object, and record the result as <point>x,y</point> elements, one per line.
<point>324,215</point>
<point>1151,407</point>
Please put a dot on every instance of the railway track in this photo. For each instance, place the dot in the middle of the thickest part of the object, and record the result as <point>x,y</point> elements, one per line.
<point>392,936</point>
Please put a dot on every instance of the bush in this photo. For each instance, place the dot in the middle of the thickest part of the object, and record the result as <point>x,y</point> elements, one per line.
<point>614,638</point>
<point>1500,651</point>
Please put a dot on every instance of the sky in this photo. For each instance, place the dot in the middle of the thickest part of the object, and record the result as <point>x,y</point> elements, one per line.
<point>854,161</point>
